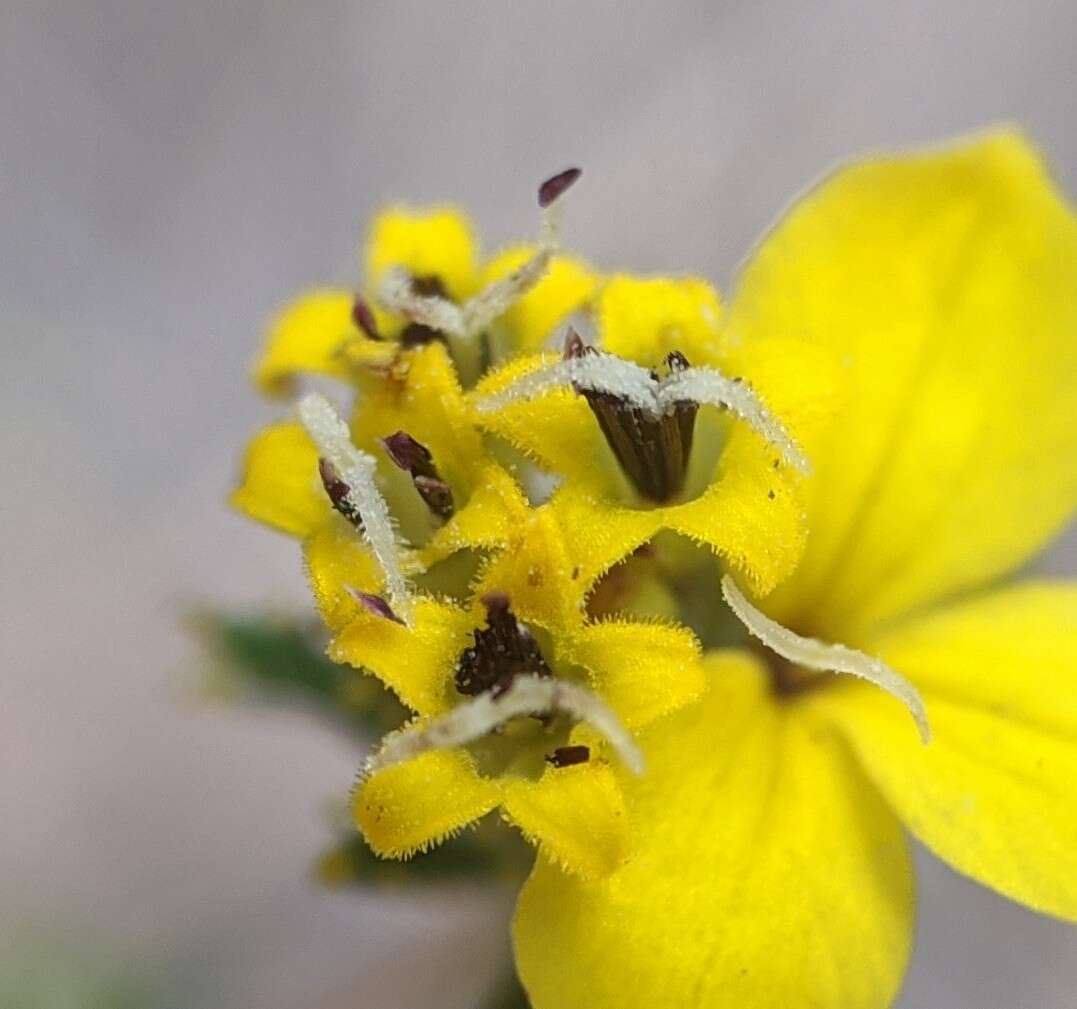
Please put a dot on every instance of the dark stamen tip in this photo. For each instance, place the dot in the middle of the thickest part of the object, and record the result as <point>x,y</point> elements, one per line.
<point>676,361</point>
<point>495,601</point>
<point>566,756</point>
<point>574,345</point>
<point>554,186</point>
<point>406,452</point>
<point>374,604</point>
<point>363,317</point>
<point>436,493</point>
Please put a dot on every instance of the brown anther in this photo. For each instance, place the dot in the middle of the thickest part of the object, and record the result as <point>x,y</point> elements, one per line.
<point>339,492</point>
<point>414,458</point>
<point>503,650</point>
<point>653,449</point>
<point>566,756</point>
<point>555,185</point>
<point>574,345</point>
<point>415,334</point>
<point>363,317</point>
<point>374,604</point>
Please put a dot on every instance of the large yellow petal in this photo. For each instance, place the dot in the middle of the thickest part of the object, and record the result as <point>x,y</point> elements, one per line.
<point>945,283</point>
<point>995,794</point>
<point>280,484</point>
<point>575,814</point>
<point>307,336</point>
<point>765,872</point>
<point>412,806</point>
<point>337,558</point>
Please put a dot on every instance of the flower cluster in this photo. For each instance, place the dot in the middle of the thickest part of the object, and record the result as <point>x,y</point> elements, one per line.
<point>602,534</point>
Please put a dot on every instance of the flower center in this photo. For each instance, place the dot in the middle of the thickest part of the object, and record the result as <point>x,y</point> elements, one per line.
<point>651,446</point>
<point>417,334</point>
<point>503,650</point>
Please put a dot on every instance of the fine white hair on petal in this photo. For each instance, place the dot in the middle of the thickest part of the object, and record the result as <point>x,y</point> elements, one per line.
<point>818,655</point>
<point>528,695</point>
<point>398,295</point>
<point>595,372</point>
<point>710,386</point>
<point>357,469</point>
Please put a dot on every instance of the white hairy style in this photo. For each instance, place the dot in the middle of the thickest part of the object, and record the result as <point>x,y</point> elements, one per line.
<point>357,469</point>
<point>528,695</point>
<point>710,386</point>
<point>467,321</point>
<point>397,295</point>
<point>595,372</point>
<point>634,384</point>
<point>822,657</point>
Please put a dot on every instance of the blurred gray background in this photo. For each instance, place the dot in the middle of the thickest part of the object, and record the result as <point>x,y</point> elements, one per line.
<point>170,172</point>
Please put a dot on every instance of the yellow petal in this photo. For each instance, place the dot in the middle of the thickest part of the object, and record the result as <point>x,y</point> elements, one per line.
<point>437,242</point>
<point>423,398</point>
<point>280,484</point>
<point>307,336</point>
<point>566,288</point>
<point>641,670</point>
<point>598,533</point>
<point>557,430</point>
<point>944,282</point>
<point>575,814</point>
<point>337,558</point>
<point>645,318</point>
<point>417,662</point>
<point>413,806</point>
<point>487,519</point>
<point>765,872</point>
<point>993,794</point>
<point>535,571</point>
<point>751,514</point>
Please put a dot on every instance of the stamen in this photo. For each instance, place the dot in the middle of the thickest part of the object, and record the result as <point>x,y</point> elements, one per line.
<point>415,458</point>
<point>527,695</point>
<point>356,469</point>
<point>503,650</point>
<point>648,421</point>
<point>373,604</point>
<point>813,654</point>
<point>339,493</point>
<point>363,317</point>
<point>710,386</point>
<point>398,295</point>
<point>433,310</point>
<point>567,756</point>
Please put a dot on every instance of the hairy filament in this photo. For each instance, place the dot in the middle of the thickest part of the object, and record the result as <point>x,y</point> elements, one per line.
<point>527,695</point>
<point>823,657</point>
<point>357,470</point>
<point>710,386</point>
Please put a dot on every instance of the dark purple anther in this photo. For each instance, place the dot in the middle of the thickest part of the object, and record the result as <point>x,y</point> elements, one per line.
<point>554,186</point>
<point>363,317</point>
<point>413,457</point>
<point>574,345</point>
<point>374,604</point>
<point>406,452</point>
<point>339,493</point>
<point>566,756</point>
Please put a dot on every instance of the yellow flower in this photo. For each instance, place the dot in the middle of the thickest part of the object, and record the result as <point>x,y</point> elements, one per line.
<point>522,639</point>
<point>630,430</point>
<point>446,493</point>
<point>423,281</point>
<point>770,866</point>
